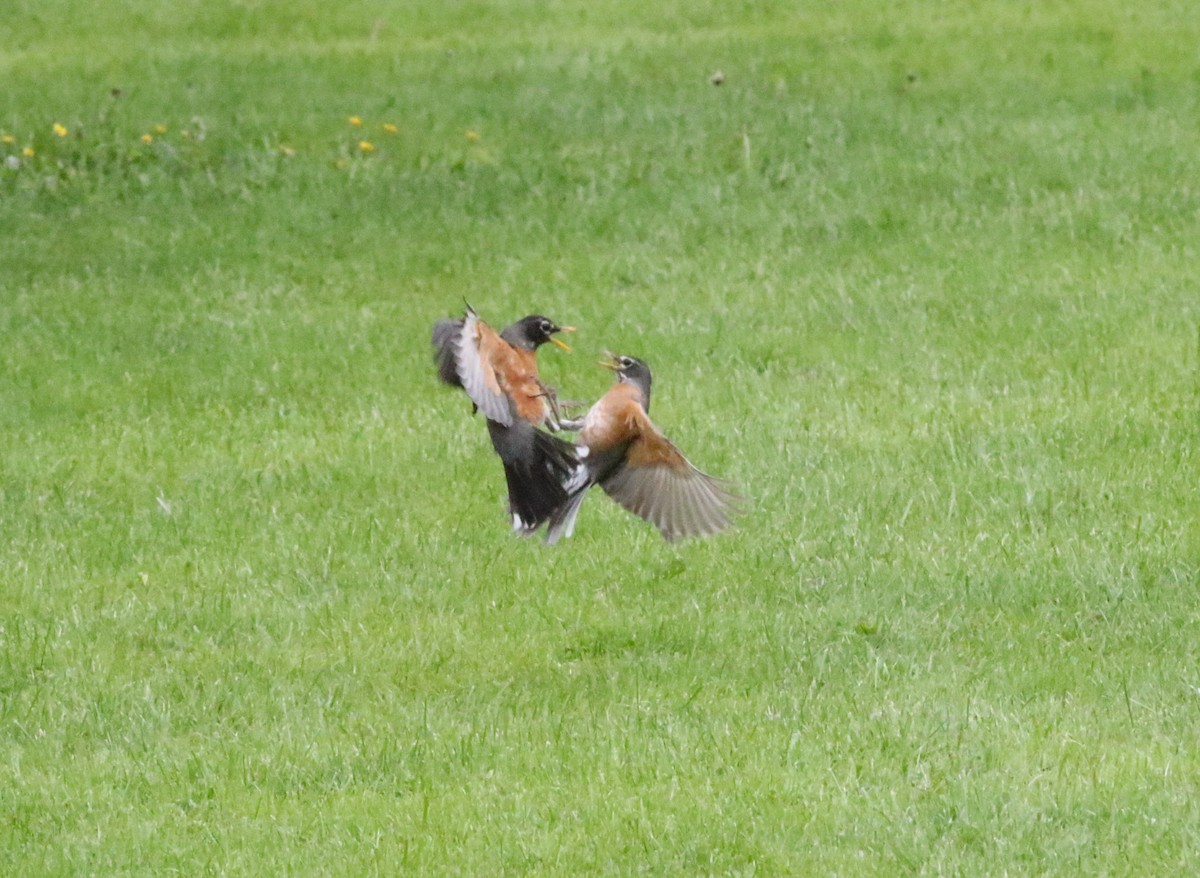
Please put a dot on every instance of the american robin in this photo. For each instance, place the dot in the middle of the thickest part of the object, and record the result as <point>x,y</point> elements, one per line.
<point>499,373</point>
<point>626,455</point>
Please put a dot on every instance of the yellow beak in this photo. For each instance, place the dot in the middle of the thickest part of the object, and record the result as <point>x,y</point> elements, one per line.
<point>563,344</point>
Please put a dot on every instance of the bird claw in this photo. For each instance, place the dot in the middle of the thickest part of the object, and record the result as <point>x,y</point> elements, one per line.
<point>554,417</point>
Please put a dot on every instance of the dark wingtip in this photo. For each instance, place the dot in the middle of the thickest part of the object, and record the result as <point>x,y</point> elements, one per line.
<point>444,355</point>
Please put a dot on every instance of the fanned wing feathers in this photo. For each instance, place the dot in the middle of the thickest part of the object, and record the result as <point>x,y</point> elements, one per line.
<point>463,352</point>
<point>500,378</point>
<point>475,371</point>
<point>678,499</point>
<point>650,477</point>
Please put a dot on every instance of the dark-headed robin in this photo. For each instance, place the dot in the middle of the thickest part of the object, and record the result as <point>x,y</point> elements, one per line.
<point>498,371</point>
<point>626,455</point>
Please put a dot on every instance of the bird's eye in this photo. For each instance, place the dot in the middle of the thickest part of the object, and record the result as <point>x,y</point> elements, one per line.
<point>547,327</point>
<point>626,362</point>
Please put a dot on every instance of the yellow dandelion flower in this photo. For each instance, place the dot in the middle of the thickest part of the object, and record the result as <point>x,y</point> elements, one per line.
<point>472,136</point>
<point>366,146</point>
<point>28,152</point>
<point>7,138</point>
<point>147,138</point>
<point>286,150</point>
<point>160,129</point>
<point>59,129</point>
<point>389,128</point>
<point>356,121</point>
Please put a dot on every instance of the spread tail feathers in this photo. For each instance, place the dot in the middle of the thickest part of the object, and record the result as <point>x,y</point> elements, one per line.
<point>562,520</point>
<point>538,468</point>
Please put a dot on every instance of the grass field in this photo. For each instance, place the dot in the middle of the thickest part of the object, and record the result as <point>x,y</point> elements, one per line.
<point>922,278</point>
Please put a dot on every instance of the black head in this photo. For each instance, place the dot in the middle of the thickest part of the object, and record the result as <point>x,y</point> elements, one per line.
<point>534,331</point>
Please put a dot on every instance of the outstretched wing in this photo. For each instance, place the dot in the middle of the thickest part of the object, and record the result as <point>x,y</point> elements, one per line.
<point>656,482</point>
<point>476,347</point>
<point>445,349</point>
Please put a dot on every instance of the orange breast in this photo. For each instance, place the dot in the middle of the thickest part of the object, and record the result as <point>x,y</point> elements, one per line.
<point>613,419</point>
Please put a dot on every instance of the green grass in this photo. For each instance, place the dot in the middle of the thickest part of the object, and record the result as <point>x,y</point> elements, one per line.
<point>922,278</point>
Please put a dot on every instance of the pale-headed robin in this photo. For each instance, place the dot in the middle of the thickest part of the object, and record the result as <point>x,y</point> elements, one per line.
<point>499,373</point>
<point>626,455</point>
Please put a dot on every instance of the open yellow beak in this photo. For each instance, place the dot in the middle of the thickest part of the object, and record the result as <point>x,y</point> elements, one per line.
<point>563,344</point>
<point>611,362</point>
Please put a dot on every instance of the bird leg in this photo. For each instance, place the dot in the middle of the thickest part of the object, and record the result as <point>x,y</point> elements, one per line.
<point>572,425</point>
<point>554,418</point>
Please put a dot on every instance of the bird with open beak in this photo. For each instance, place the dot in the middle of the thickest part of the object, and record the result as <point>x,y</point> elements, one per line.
<point>637,466</point>
<point>498,371</point>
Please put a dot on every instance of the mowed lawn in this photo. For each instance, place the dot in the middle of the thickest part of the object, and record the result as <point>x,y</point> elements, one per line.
<point>923,279</point>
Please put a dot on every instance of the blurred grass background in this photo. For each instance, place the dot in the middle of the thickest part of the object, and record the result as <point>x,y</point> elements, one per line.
<point>921,278</point>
